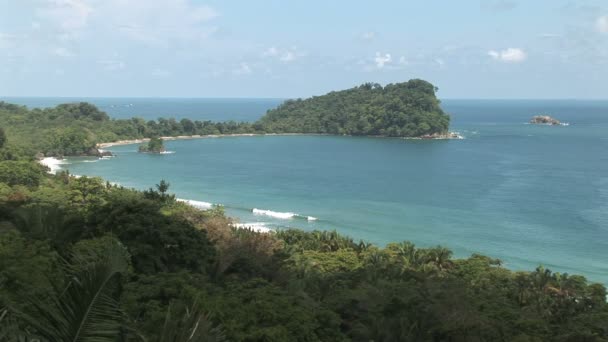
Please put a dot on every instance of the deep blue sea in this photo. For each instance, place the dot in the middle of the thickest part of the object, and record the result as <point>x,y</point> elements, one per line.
<point>523,193</point>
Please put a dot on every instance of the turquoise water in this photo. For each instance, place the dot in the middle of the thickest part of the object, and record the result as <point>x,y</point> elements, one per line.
<point>526,194</point>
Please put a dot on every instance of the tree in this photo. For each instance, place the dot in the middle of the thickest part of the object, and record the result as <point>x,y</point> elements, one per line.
<point>85,309</point>
<point>155,145</point>
<point>2,137</point>
<point>21,173</point>
<point>86,193</point>
<point>160,194</point>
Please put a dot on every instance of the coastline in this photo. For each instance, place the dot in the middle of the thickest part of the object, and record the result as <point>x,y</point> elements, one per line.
<point>52,163</point>
<point>448,136</point>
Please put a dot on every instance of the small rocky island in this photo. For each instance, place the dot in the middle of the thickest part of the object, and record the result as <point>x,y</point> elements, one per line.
<point>544,120</point>
<point>155,145</point>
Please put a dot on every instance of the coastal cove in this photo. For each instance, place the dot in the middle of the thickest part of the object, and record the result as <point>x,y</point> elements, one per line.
<point>478,195</point>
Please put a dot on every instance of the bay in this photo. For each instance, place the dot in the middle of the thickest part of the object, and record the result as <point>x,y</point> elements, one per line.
<point>526,194</point>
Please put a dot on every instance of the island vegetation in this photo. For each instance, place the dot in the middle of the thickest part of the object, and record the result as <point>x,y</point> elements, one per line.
<point>154,145</point>
<point>84,260</point>
<point>408,109</point>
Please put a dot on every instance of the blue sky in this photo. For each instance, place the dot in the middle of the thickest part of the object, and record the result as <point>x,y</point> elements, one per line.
<point>278,48</point>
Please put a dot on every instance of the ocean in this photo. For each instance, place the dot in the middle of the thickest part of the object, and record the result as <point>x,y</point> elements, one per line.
<point>526,194</point>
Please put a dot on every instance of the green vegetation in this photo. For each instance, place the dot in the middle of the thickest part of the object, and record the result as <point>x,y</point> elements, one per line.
<point>408,109</point>
<point>2,137</point>
<point>83,260</point>
<point>155,145</point>
<point>75,129</point>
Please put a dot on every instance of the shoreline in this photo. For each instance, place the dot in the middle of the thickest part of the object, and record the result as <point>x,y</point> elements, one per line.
<point>448,136</point>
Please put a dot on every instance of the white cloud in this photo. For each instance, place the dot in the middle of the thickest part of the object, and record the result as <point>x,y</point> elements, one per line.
<point>288,56</point>
<point>152,22</point>
<point>161,73</point>
<point>510,55</point>
<point>498,5</point>
<point>283,55</point>
<point>6,40</point>
<point>67,14</point>
<point>368,36</point>
<point>271,52</point>
<point>161,22</point>
<point>549,35</point>
<point>204,13</point>
<point>112,64</point>
<point>381,60</point>
<point>243,69</point>
<point>62,52</point>
<point>602,24</point>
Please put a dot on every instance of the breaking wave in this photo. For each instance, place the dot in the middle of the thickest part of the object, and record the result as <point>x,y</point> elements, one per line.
<point>281,215</point>
<point>196,204</point>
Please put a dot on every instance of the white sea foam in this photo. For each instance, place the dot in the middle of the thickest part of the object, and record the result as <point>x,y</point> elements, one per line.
<point>90,161</point>
<point>53,164</point>
<point>196,204</point>
<point>281,215</point>
<point>255,226</point>
<point>167,152</point>
<point>275,214</point>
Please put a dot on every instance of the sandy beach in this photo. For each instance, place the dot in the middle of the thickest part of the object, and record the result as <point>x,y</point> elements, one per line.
<point>188,137</point>
<point>450,135</point>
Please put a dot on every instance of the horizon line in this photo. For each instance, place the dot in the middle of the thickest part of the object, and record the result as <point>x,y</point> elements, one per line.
<point>292,97</point>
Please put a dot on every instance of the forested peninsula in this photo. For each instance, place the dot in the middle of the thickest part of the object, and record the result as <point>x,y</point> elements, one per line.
<point>83,259</point>
<point>408,109</point>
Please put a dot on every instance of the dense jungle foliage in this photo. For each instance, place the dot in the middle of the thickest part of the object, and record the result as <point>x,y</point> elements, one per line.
<point>408,109</point>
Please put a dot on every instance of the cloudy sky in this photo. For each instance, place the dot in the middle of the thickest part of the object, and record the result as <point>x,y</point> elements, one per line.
<point>278,48</point>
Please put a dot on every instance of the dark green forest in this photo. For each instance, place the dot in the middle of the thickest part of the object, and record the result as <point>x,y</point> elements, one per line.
<point>408,109</point>
<point>84,260</point>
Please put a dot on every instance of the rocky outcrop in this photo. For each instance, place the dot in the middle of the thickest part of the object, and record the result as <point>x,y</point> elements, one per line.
<point>94,152</point>
<point>544,120</point>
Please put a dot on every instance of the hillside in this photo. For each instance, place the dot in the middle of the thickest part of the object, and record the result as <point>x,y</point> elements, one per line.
<point>408,109</point>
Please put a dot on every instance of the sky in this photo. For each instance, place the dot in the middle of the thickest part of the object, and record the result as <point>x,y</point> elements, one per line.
<point>276,48</point>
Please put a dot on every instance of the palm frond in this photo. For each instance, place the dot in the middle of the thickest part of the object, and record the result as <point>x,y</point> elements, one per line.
<point>192,326</point>
<point>87,309</point>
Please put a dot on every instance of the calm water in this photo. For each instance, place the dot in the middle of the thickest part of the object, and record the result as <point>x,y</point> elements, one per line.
<point>220,109</point>
<point>526,194</point>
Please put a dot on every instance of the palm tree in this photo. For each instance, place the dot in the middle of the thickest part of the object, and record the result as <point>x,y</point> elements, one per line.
<point>192,326</point>
<point>440,256</point>
<point>86,309</point>
<point>47,222</point>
